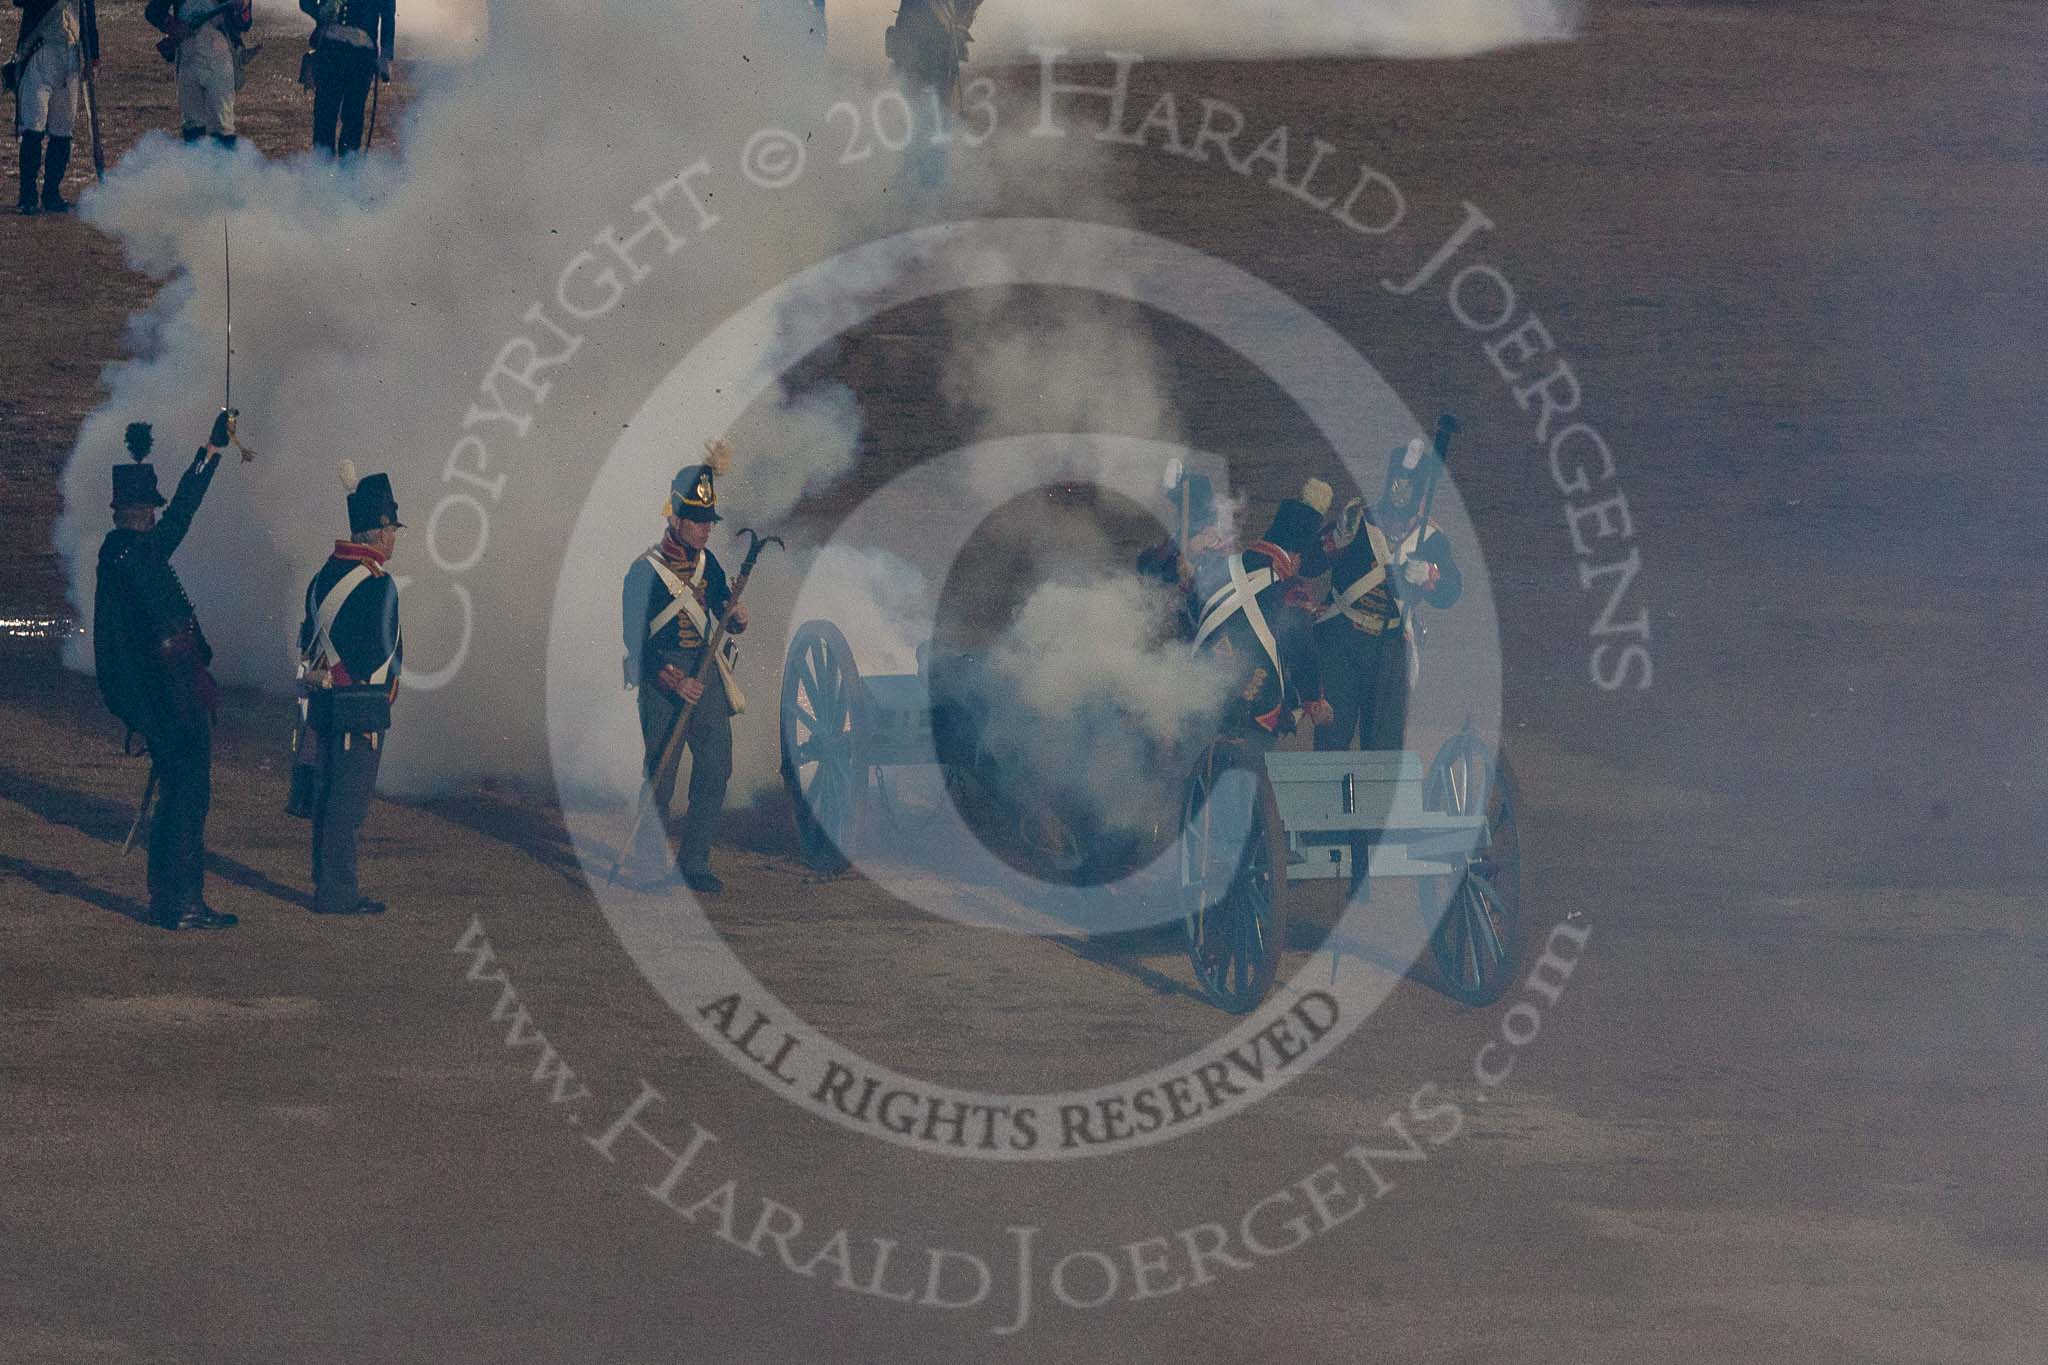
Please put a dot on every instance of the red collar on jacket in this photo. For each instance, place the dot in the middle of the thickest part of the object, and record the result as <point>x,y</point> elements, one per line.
<point>361,554</point>
<point>677,555</point>
<point>1285,565</point>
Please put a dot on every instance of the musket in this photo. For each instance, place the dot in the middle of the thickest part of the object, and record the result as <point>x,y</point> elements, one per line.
<point>141,810</point>
<point>672,744</point>
<point>92,97</point>
<point>1404,592</point>
<point>1446,428</point>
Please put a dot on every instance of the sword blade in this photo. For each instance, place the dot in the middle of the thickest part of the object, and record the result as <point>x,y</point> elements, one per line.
<point>227,265</point>
<point>141,811</point>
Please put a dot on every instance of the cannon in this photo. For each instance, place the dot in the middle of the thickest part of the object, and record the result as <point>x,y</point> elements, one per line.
<point>1248,824</point>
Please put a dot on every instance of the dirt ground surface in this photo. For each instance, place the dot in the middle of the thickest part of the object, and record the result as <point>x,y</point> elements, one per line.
<point>1788,1107</point>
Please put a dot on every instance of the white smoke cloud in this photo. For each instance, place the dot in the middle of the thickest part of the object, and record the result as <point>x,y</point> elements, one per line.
<point>875,597</point>
<point>1076,363</point>
<point>438,30</point>
<point>1007,29</point>
<point>369,300</point>
<point>1075,642</point>
<point>1100,697</point>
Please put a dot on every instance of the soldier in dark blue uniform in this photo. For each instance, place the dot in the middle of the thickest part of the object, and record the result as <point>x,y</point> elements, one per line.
<point>352,651</point>
<point>1252,609</point>
<point>1383,563</point>
<point>151,659</point>
<point>673,598</point>
<point>351,46</point>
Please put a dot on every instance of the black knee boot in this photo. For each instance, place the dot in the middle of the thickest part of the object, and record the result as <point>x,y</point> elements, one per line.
<point>54,166</point>
<point>193,134</point>
<point>226,140</point>
<point>31,167</point>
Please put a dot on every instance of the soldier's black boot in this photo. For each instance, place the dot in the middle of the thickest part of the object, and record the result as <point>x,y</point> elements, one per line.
<point>198,915</point>
<point>54,165</point>
<point>362,905</point>
<point>31,169</point>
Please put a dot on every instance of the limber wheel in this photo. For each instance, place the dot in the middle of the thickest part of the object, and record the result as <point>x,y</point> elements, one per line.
<point>824,732</point>
<point>1233,877</point>
<point>1477,910</point>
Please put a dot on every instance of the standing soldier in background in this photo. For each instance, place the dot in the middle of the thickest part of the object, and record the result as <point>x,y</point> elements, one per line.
<point>352,46</point>
<point>1382,563</point>
<point>51,50</point>
<point>352,651</point>
<point>674,595</point>
<point>151,660</point>
<point>928,46</point>
<point>206,37</point>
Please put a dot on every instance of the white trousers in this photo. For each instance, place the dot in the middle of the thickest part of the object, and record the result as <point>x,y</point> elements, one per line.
<point>206,82</point>
<point>47,98</point>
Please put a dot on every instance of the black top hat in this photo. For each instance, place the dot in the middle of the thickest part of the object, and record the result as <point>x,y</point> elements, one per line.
<point>371,504</point>
<point>135,484</point>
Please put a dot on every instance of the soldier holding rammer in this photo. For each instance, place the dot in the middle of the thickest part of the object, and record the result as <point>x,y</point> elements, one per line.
<point>674,596</point>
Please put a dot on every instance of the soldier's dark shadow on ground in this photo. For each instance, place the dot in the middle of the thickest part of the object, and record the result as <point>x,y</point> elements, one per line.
<point>765,825</point>
<point>1124,954</point>
<point>529,823</point>
<point>1307,932</point>
<point>108,821</point>
<point>58,882</point>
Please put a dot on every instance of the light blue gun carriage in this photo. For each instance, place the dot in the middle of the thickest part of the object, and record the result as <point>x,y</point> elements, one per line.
<point>1250,824</point>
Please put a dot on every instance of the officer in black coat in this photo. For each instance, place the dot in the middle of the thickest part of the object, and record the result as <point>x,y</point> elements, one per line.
<point>151,660</point>
<point>673,598</point>
<point>352,651</point>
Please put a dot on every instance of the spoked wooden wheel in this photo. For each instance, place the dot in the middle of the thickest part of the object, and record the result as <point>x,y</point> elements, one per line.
<point>824,731</point>
<point>1233,877</point>
<point>1477,910</point>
